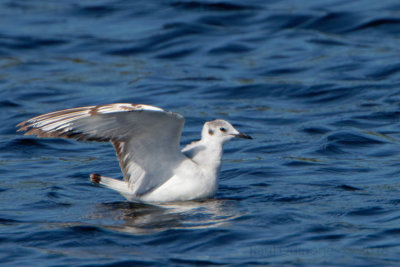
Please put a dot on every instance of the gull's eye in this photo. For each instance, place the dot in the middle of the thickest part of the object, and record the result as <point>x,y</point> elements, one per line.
<point>222,129</point>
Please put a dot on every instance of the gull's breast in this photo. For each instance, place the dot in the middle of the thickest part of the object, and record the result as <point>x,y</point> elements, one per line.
<point>189,182</point>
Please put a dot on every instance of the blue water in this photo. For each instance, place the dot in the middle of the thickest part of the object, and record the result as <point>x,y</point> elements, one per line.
<point>316,83</point>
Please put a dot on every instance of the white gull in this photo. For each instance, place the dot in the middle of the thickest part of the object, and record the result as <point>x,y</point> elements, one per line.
<point>147,142</point>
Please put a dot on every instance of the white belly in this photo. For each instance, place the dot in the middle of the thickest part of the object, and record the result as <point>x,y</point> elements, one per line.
<point>190,182</point>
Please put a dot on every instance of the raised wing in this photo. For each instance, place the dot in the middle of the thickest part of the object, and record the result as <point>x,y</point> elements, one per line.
<point>146,138</point>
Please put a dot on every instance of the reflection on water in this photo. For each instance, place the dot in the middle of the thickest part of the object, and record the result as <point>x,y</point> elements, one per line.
<point>138,218</point>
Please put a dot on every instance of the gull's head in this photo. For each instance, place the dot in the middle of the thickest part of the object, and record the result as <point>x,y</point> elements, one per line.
<point>222,131</point>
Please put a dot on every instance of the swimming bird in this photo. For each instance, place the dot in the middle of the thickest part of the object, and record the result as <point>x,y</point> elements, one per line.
<point>147,144</point>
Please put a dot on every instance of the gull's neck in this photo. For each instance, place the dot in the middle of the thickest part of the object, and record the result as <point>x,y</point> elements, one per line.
<point>209,156</point>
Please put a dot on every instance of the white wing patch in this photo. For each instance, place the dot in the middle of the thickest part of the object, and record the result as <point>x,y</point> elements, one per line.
<point>58,123</point>
<point>122,107</point>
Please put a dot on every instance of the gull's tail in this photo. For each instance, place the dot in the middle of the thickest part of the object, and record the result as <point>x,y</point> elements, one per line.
<point>95,178</point>
<point>115,184</point>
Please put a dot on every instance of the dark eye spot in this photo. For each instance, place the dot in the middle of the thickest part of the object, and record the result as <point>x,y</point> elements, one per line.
<point>222,129</point>
<point>210,132</point>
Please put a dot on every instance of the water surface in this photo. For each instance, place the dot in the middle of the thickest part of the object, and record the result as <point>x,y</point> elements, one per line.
<point>316,83</point>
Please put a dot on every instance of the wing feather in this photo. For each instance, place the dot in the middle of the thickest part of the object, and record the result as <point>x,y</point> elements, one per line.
<point>146,138</point>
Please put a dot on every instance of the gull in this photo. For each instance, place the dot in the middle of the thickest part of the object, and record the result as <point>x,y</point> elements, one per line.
<point>147,144</point>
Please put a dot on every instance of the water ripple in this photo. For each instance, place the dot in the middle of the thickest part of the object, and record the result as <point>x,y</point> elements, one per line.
<point>315,83</point>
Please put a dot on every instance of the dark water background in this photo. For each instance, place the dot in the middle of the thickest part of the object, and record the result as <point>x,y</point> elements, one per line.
<point>316,83</point>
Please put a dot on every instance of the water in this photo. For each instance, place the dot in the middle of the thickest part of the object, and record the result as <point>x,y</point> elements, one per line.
<point>316,83</point>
